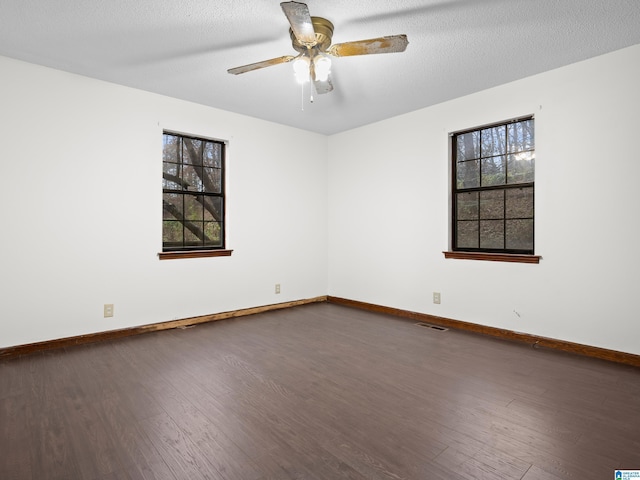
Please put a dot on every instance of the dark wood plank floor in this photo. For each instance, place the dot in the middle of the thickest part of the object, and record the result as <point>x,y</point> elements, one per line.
<point>316,392</point>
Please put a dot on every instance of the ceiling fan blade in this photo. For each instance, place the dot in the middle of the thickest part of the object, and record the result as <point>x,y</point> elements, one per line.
<point>300,21</point>
<point>391,44</point>
<point>258,65</point>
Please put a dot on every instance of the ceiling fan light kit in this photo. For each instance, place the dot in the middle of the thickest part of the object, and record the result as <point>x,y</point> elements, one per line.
<point>311,38</point>
<point>322,67</point>
<point>301,69</point>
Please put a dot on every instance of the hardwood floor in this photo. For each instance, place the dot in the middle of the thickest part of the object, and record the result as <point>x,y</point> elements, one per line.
<point>318,392</point>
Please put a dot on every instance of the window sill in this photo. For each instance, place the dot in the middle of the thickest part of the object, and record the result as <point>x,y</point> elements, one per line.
<point>494,257</point>
<point>194,254</point>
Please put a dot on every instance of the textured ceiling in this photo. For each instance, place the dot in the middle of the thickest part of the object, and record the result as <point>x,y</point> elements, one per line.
<point>183,49</point>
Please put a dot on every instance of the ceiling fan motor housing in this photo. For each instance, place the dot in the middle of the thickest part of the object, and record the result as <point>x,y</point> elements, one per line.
<point>324,31</point>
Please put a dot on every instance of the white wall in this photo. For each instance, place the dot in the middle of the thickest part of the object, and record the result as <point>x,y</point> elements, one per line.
<point>80,205</point>
<point>389,217</point>
<point>81,212</point>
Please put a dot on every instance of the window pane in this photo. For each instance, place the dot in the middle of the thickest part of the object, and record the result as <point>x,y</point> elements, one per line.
<point>212,155</point>
<point>213,209</point>
<point>170,144</point>
<point>494,141</point>
<point>491,234</point>
<point>520,234</point>
<point>492,204</point>
<point>468,146</point>
<point>467,206</point>
<point>171,233</point>
<point>213,180</point>
<point>193,234</point>
<point>172,206</point>
<point>212,232</point>
<point>192,151</point>
<point>467,235</point>
<point>468,174</point>
<point>193,209</point>
<point>521,136</point>
<point>519,203</point>
<point>520,167</point>
<point>192,177</point>
<point>171,176</point>
<point>493,171</point>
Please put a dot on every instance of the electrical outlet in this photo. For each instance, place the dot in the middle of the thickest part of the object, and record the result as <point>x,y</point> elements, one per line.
<point>277,288</point>
<point>108,310</point>
<point>436,297</point>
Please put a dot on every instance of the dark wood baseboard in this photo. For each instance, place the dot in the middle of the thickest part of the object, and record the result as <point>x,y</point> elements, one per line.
<point>535,341</point>
<point>127,332</point>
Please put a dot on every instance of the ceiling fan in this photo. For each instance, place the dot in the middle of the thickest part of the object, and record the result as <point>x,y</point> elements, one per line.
<point>311,38</point>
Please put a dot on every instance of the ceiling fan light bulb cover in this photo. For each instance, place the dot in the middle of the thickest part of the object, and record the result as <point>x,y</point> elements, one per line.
<point>301,69</point>
<point>322,66</point>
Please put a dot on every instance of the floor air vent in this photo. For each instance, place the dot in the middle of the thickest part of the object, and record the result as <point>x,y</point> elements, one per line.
<point>432,327</point>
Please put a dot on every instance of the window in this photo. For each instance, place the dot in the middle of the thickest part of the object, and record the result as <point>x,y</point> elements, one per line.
<point>193,201</point>
<point>493,188</point>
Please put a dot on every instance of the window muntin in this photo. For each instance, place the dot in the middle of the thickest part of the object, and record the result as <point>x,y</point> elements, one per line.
<point>493,188</point>
<point>192,193</point>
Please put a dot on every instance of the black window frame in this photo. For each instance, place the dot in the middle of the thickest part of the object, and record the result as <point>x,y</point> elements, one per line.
<point>505,187</point>
<point>207,197</point>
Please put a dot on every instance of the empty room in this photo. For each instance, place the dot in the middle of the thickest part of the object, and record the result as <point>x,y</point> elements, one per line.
<point>323,240</point>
